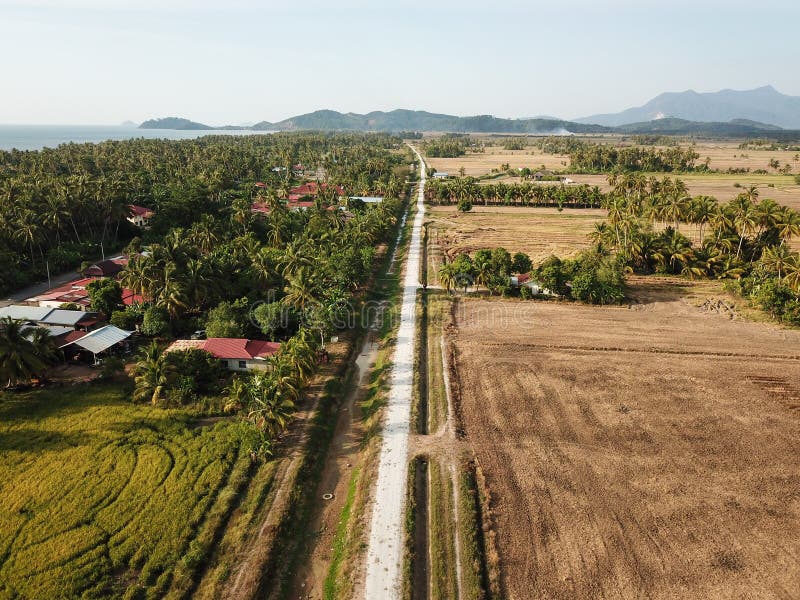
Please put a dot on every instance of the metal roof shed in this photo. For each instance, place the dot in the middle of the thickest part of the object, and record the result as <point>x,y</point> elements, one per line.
<point>102,339</point>
<point>67,318</point>
<point>25,313</point>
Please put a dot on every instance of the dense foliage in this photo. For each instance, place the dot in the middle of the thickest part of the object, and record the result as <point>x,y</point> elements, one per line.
<point>61,204</point>
<point>746,238</point>
<point>445,192</point>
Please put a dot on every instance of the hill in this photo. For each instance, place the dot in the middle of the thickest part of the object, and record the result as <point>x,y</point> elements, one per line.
<point>674,126</point>
<point>172,123</point>
<point>417,120</point>
<point>764,105</point>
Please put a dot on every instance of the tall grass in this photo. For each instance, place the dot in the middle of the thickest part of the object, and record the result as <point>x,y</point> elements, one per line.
<point>100,497</point>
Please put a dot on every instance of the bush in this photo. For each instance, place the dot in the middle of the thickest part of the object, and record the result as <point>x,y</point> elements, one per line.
<point>227,319</point>
<point>201,372</point>
<point>127,319</point>
<point>106,295</point>
<point>525,293</point>
<point>155,322</point>
<point>465,205</point>
<point>600,280</point>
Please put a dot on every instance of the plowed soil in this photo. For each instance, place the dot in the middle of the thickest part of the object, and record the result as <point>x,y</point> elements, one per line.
<point>642,452</point>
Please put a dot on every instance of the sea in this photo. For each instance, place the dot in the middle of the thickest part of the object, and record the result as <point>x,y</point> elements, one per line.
<point>36,137</point>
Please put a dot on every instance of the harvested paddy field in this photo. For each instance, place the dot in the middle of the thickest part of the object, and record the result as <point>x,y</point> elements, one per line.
<point>539,232</point>
<point>481,163</point>
<point>649,451</point>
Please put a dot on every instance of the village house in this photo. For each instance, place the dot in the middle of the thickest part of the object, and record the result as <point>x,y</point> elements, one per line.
<point>139,215</point>
<point>236,354</point>
<point>75,292</point>
<point>75,320</point>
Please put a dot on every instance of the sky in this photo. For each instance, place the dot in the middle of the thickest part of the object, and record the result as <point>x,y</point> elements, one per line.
<point>243,61</point>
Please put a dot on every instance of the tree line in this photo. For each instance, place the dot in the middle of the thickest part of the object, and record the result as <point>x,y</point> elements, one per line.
<point>745,240</point>
<point>60,204</point>
<point>452,191</point>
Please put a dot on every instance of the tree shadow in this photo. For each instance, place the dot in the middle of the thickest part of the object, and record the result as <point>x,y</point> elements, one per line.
<point>37,440</point>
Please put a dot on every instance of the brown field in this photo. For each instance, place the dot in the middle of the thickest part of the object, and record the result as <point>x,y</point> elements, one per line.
<point>482,163</point>
<point>784,191</point>
<point>539,232</point>
<point>723,155</point>
<point>643,452</point>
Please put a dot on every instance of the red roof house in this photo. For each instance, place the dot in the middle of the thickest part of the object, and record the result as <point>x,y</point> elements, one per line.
<point>238,354</point>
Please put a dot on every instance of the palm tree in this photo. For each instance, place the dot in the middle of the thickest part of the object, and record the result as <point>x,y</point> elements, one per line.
<point>299,291</point>
<point>20,358</point>
<point>703,210</point>
<point>152,377</point>
<point>776,258</point>
<point>238,394</point>
<point>788,224</point>
<point>447,276</point>
<point>792,278</point>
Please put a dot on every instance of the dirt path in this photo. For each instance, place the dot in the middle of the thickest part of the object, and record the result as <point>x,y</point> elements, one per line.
<point>343,457</point>
<point>384,554</point>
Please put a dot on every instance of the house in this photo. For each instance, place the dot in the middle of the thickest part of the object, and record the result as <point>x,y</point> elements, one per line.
<point>77,320</point>
<point>139,215</point>
<point>236,354</point>
<point>524,281</point>
<point>292,205</point>
<point>106,268</point>
<point>541,175</point>
<point>368,199</point>
<point>75,292</point>
<point>87,346</point>
<point>311,188</point>
<point>440,175</point>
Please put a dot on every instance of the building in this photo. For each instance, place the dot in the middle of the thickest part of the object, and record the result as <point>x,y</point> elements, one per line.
<point>312,188</point>
<point>368,199</point>
<point>52,318</point>
<point>110,267</point>
<point>75,292</point>
<point>236,354</point>
<point>86,346</point>
<point>139,215</point>
<point>441,175</point>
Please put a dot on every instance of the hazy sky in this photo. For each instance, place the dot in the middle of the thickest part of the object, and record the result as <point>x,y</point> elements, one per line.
<point>235,61</point>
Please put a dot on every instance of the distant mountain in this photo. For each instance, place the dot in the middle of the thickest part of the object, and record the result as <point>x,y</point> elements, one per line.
<point>417,120</point>
<point>172,123</point>
<point>128,124</point>
<point>673,126</point>
<point>764,105</point>
<point>412,120</point>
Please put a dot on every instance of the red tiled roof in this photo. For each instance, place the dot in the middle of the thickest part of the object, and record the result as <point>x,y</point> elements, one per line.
<point>239,348</point>
<point>140,211</point>
<point>312,189</point>
<point>260,184</point>
<point>229,348</point>
<point>523,278</point>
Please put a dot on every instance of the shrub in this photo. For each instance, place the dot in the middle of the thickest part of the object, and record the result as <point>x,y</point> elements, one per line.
<point>155,322</point>
<point>105,294</point>
<point>465,205</point>
<point>202,371</point>
<point>227,319</point>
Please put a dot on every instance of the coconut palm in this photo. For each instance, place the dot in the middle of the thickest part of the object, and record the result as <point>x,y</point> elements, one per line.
<point>152,377</point>
<point>776,258</point>
<point>20,358</point>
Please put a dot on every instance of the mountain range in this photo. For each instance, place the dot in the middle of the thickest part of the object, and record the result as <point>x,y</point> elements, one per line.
<point>726,113</point>
<point>764,105</point>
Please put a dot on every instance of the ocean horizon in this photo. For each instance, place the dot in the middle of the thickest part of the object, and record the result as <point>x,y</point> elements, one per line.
<point>36,137</point>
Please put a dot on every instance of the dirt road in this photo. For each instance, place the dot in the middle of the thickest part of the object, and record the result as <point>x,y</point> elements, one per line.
<point>384,554</point>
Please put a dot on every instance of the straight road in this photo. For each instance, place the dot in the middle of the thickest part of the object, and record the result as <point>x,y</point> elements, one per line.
<point>385,552</point>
